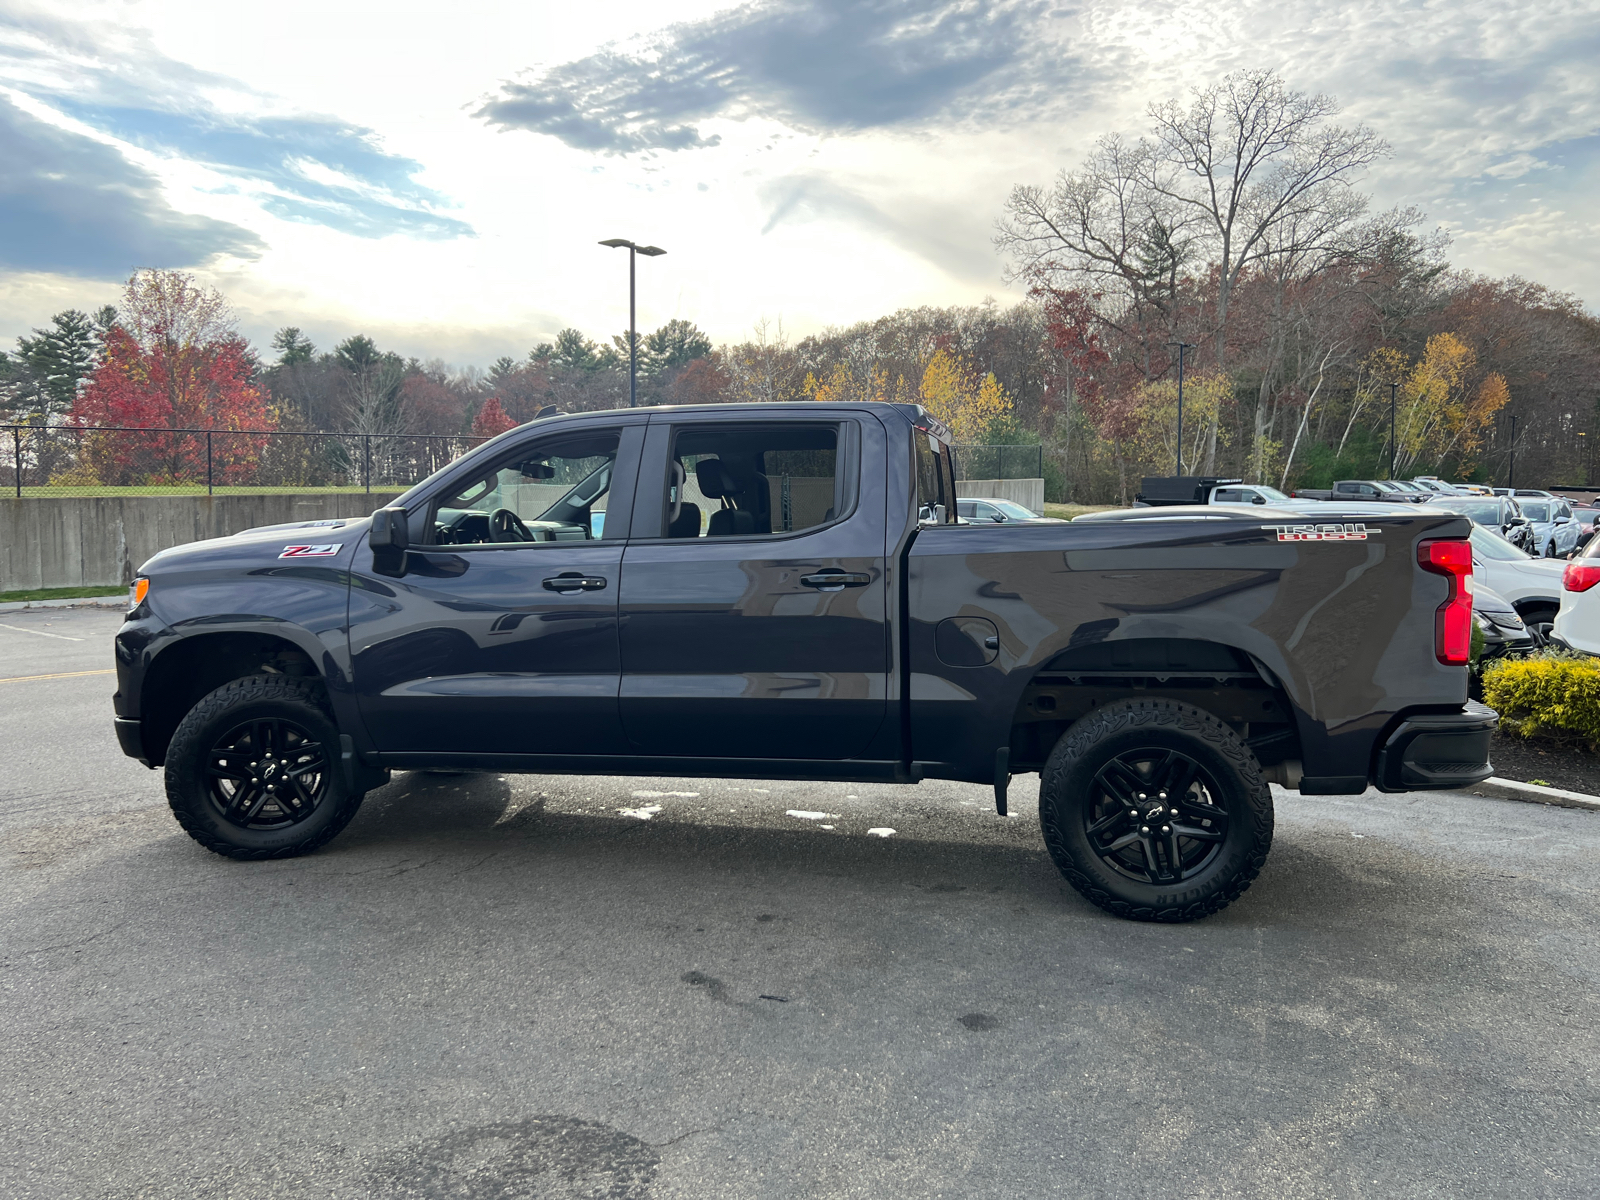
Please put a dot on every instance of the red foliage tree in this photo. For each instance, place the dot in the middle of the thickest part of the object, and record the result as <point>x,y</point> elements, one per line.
<point>491,419</point>
<point>200,386</point>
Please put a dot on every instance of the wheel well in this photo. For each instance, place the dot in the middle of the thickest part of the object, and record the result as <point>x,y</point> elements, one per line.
<point>1221,680</point>
<point>183,675</point>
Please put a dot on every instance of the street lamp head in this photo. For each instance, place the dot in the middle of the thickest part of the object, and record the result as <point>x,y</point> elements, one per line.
<point>650,251</point>
<point>617,243</point>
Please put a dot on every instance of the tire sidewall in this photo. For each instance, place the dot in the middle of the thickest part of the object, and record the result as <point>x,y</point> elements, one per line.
<point>1067,792</point>
<point>187,759</point>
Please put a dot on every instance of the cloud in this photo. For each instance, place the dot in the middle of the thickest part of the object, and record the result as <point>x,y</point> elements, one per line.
<point>832,66</point>
<point>312,169</point>
<point>73,205</point>
<point>309,169</point>
<point>946,237</point>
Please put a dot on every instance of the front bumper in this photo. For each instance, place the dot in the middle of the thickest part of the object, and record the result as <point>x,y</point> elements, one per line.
<point>1438,750</point>
<point>130,736</point>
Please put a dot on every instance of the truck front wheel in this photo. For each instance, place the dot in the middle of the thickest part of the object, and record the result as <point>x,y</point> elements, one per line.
<point>253,770</point>
<point>1155,810</point>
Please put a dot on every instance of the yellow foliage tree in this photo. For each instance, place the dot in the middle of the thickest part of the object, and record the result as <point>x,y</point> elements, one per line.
<point>1155,444</point>
<point>1439,412</point>
<point>948,393</point>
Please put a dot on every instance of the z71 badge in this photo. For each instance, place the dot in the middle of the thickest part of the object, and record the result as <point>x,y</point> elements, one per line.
<point>1320,533</point>
<point>310,551</point>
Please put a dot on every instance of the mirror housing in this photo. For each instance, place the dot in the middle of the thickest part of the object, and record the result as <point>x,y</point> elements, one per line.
<point>1258,499</point>
<point>390,530</point>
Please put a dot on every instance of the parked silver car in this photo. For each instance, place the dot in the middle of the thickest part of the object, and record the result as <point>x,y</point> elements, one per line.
<point>1555,529</point>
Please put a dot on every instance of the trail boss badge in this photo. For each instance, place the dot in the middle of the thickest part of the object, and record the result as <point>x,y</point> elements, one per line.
<point>1320,533</point>
<point>310,551</point>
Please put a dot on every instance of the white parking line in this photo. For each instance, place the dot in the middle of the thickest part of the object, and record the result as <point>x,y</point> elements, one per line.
<point>62,675</point>
<point>40,633</point>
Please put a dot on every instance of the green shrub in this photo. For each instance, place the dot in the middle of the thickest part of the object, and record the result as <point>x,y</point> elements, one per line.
<point>1547,694</point>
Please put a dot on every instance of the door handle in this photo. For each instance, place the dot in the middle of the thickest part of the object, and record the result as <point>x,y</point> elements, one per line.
<point>834,581</point>
<point>573,582</point>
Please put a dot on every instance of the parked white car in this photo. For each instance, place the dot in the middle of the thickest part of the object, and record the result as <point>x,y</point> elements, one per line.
<point>1556,530</point>
<point>1532,585</point>
<point>1578,623</point>
<point>981,509</point>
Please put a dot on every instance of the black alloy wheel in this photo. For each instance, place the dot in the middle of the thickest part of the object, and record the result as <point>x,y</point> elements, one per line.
<point>253,770</point>
<point>1155,810</point>
<point>1152,816</point>
<point>268,773</point>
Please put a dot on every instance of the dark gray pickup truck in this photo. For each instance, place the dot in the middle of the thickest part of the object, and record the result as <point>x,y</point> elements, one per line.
<point>783,591</point>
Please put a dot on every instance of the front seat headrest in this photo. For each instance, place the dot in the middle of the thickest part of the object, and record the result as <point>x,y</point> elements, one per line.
<point>714,480</point>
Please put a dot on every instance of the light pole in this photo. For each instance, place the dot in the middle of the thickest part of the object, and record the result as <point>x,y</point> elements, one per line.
<point>1511,470</point>
<point>1392,388</point>
<point>1182,346</point>
<point>633,332</point>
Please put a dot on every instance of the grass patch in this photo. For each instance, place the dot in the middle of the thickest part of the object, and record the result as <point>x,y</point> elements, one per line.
<point>79,593</point>
<point>1067,511</point>
<point>89,490</point>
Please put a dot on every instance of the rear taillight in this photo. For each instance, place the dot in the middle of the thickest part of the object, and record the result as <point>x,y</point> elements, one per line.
<point>1452,624</point>
<point>1580,577</point>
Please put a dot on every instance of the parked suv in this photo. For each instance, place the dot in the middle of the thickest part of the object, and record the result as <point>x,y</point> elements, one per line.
<point>1555,529</point>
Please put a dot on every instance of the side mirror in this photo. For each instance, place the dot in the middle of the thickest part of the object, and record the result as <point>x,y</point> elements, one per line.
<point>998,518</point>
<point>1259,500</point>
<point>390,530</point>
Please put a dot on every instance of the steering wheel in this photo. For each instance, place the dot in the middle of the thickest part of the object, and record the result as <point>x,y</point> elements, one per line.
<point>506,526</point>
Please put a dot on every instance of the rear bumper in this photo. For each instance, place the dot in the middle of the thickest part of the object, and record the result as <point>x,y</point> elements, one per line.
<point>1437,750</point>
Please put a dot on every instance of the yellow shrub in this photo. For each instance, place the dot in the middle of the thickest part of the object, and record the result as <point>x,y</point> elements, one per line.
<point>1546,695</point>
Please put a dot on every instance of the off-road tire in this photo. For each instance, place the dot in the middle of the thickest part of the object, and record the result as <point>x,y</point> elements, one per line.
<point>256,697</point>
<point>1126,727</point>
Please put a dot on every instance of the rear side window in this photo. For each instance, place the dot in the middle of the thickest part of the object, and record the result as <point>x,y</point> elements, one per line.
<point>731,481</point>
<point>935,479</point>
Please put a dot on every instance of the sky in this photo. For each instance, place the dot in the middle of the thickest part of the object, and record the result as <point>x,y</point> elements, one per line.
<point>438,177</point>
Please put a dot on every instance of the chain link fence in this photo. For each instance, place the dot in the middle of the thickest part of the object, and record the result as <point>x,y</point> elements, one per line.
<point>63,460</point>
<point>67,460</point>
<point>999,462</point>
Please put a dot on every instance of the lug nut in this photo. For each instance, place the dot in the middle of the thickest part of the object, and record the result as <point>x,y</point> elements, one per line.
<point>1144,829</point>
<point>1161,796</point>
<point>1166,829</point>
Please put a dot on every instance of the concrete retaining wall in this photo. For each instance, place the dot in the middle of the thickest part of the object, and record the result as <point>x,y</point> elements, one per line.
<point>59,541</point>
<point>87,541</point>
<point>1027,492</point>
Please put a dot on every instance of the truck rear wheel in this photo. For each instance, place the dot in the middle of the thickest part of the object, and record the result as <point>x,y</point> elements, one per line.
<point>253,770</point>
<point>1155,811</point>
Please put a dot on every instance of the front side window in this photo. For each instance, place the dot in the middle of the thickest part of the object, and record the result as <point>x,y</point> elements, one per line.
<point>727,481</point>
<point>1535,511</point>
<point>550,492</point>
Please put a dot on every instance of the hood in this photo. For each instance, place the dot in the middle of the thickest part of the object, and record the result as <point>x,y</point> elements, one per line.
<point>321,541</point>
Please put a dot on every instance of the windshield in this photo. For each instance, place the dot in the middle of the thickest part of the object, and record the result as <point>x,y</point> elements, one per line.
<point>1491,545</point>
<point>1014,510</point>
<point>1535,510</point>
<point>1484,513</point>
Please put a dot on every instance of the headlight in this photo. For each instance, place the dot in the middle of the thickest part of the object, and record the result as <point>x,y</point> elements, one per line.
<point>137,591</point>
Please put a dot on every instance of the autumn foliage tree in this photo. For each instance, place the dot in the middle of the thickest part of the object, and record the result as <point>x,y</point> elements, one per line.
<point>491,420</point>
<point>173,361</point>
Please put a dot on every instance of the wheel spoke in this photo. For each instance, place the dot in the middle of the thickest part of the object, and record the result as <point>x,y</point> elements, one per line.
<point>1152,865</point>
<point>1122,843</point>
<point>1111,819</point>
<point>300,793</point>
<point>1121,782</point>
<point>1199,834</point>
<point>1177,775</point>
<point>1173,853</point>
<point>228,764</point>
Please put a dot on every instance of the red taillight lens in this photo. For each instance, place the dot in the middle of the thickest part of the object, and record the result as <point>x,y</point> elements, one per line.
<point>1452,624</point>
<point>1580,577</point>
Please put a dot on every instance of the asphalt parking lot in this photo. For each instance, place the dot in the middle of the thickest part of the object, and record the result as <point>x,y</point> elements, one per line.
<point>568,987</point>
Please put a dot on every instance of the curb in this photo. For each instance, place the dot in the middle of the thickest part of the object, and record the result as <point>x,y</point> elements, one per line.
<point>1532,793</point>
<point>77,602</point>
